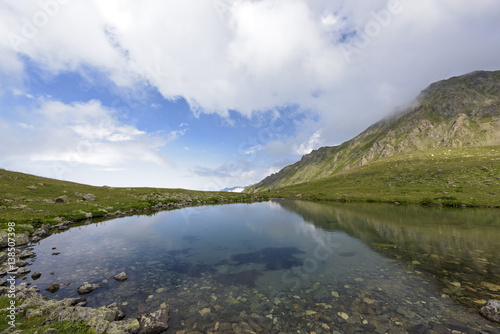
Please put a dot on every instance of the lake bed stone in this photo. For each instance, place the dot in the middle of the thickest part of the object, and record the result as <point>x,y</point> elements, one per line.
<point>491,310</point>
<point>86,288</point>
<point>121,277</point>
<point>54,287</point>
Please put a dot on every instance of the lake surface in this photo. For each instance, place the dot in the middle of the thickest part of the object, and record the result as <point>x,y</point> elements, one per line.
<point>289,266</point>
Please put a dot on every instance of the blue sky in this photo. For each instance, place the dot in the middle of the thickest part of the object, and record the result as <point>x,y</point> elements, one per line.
<point>208,94</point>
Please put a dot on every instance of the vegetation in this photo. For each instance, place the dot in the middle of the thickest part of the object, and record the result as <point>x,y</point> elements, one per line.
<point>452,177</point>
<point>30,199</point>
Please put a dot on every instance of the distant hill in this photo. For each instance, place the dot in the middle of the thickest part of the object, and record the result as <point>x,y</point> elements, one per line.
<point>460,112</point>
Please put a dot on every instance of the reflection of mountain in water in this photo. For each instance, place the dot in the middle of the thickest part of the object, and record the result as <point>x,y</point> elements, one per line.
<point>453,245</point>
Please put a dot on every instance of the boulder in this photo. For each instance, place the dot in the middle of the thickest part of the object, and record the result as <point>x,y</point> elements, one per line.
<point>121,277</point>
<point>89,197</point>
<point>86,288</point>
<point>62,199</point>
<point>155,322</point>
<point>491,310</point>
<point>36,275</point>
<point>54,287</point>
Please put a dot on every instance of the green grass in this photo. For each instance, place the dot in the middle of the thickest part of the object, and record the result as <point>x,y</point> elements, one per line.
<point>450,177</point>
<point>29,199</point>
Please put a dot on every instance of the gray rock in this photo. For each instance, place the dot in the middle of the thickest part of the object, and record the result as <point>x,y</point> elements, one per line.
<point>62,199</point>
<point>89,197</point>
<point>54,287</point>
<point>86,288</point>
<point>51,331</point>
<point>26,255</point>
<point>491,310</point>
<point>82,301</point>
<point>98,319</point>
<point>120,314</point>
<point>121,277</point>
<point>22,271</point>
<point>20,239</point>
<point>125,326</point>
<point>154,323</point>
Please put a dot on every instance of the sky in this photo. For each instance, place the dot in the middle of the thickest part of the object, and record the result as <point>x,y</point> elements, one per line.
<point>209,94</point>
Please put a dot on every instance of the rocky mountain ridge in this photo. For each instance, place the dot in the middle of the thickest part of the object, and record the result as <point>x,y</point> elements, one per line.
<point>458,112</point>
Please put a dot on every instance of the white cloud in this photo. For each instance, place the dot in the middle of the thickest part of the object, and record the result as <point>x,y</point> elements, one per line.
<point>80,133</point>
<point>256,55</point>
<point>178,133</point>
<point>312,143</point>
<point>254,149</point>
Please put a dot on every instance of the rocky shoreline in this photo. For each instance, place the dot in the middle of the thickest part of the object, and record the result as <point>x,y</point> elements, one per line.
<point>106,319</point>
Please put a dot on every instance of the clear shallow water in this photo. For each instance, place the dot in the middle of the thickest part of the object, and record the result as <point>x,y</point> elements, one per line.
<point>286,266</point>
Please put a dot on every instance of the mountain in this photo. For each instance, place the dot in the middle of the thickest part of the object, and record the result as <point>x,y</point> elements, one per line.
<point>459,112</point>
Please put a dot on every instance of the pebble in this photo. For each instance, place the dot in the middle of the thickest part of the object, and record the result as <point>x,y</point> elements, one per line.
<point>343,315</point>
<point>204,311</point>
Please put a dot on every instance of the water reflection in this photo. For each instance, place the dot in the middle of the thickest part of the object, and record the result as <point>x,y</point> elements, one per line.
<point>458,247</point>
<point>278,266</point>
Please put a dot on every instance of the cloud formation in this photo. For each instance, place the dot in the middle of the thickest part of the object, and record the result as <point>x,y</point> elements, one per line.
<point>253,55</point>
<point>64,136</point>
<point>348,63</point>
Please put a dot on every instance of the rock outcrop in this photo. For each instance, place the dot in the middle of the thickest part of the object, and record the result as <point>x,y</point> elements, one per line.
<point>106,319</point>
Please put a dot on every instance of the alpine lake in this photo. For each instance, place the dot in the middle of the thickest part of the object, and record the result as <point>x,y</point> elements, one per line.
<point>287,266</point>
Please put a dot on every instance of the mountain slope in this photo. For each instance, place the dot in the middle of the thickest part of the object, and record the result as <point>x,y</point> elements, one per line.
<point>459,112</point>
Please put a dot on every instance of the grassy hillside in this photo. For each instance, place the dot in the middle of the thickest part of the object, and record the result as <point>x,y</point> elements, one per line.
<point>459,112</point>
<point>31,199</point>
<point>443,176</point>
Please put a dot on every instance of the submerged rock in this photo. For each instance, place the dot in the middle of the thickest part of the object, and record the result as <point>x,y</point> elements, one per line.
<point>153,323</point>
<point>54,287</point>
<point>86,288</point>
<point>121,277</point>
<point>491,310</point>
